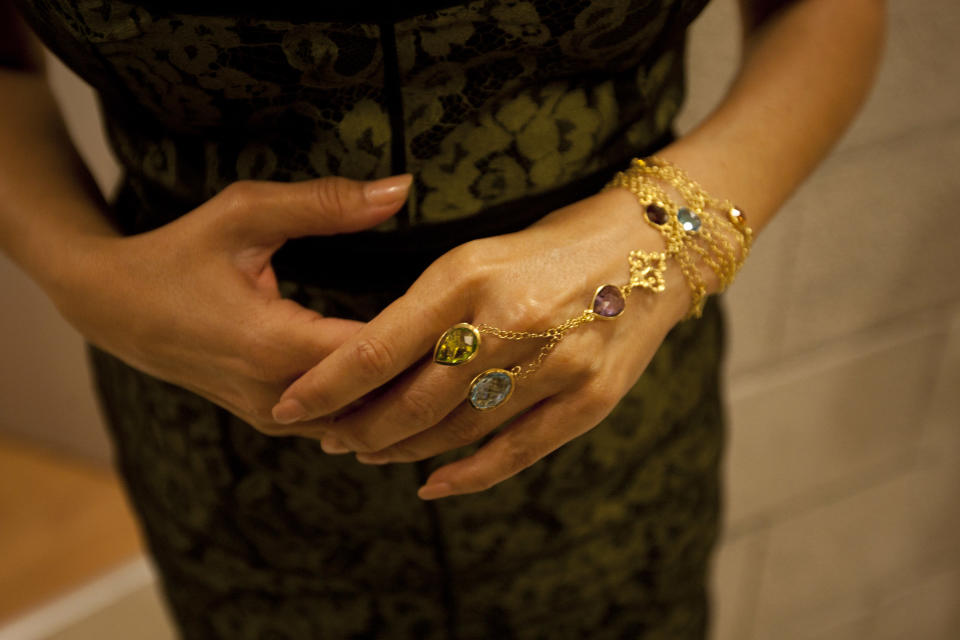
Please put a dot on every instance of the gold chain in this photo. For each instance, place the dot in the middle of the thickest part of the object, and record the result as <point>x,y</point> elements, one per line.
<point>646,272</point>
<point>706,236</point>
<point>700,230</point>
<point>554,335</point>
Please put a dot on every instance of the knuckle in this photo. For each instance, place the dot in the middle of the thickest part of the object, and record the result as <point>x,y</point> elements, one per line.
<point>519,457</point>
<point>331,195</point>
<point>315,402</point>
<point>374,357</point>
<point>465,430</point>
<point>233,205</point>
<point>596,400</point>
<point>527,310</point>
<point>465,265</point>
<point>473,265</point>
<point>403,453</point>
<point>359,441</point>
<point>237,195</point>
<point>419,407</point>
<point>572,365</point>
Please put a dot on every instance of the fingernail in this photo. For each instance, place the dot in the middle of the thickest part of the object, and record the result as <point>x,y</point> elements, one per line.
<point>332,444</point>
<point>387,190</point>
<point>289,410</point>
<point>434,490</point>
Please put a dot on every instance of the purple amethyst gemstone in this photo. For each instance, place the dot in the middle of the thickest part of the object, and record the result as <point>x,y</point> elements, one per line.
<point>609,301</point>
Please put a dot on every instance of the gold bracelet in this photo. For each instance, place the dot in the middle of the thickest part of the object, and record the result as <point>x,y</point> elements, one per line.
<point>686,231</point>
<point>692,231</point>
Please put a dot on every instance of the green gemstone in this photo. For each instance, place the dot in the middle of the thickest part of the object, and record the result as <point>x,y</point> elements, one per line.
<point>457,345</point>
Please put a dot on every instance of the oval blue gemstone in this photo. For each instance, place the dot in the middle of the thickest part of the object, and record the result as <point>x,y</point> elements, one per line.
<point>688,219</point>
<point>490,389</point>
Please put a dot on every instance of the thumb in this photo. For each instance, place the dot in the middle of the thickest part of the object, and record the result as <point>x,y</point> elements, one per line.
<point>271,212</point>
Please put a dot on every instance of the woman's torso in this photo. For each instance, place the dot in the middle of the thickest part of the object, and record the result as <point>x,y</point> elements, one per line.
<point>484,102</point>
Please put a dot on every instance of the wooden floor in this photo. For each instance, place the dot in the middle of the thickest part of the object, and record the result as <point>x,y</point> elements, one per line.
<point>62,522</point>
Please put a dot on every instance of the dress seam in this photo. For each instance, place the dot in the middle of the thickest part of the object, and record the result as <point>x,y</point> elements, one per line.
<point>393,99</point>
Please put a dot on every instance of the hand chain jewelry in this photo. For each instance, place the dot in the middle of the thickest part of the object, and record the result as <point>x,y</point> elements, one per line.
<point>686,229</point>
<point>681,227</point>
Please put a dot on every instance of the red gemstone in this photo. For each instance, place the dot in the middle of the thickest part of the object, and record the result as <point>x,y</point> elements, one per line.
<point>609,301</point>
<point>655,214</point>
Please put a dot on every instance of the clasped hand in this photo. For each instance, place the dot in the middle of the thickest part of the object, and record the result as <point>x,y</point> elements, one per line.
<point>198,305</point>
<point>529,280</point>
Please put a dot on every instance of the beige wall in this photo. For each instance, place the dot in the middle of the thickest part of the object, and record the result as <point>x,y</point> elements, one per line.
<point>45,391</point>
<point>843,468</point>
<point>842,471</point>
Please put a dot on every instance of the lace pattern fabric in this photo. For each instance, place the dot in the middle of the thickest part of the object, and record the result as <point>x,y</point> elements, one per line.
<point>487,103</point>
<point>258,537</point>
<point>492,100</point>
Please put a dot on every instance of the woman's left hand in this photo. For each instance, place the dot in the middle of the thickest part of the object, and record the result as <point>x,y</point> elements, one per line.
<point>530,280</point>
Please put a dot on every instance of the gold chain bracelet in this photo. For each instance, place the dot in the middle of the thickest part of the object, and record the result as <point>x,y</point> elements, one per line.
<point>686,231</point>
<point>692,230</point>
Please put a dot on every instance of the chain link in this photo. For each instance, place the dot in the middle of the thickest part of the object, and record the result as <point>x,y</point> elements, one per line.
<point>554,335</point>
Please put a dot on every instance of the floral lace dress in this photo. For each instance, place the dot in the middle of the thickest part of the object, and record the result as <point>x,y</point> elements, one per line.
<point>503,110</point>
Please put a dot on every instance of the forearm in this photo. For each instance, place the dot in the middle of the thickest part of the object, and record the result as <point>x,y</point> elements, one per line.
<point>49,204</point>
<point>804,74</point>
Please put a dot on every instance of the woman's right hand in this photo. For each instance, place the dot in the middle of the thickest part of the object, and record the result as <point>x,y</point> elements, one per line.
<point>196,303</point>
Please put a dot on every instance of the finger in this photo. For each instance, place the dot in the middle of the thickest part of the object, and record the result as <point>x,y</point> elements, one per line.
<point>463,426</point>
<point>543,429</point>
<point>261,212</point>
<point>388,345</point>
<point>244,408</point>
<point>416,402</point>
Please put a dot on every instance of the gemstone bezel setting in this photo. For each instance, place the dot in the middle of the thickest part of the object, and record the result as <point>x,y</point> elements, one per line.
<point>688,219</point>
<point>608,302</point>
<point>499,397</point>
<point>470,343</point>
<point>656,214</point>
<point>737,216</point>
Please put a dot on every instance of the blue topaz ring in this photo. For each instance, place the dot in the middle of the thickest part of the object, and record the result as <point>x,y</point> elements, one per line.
<point>460,344</point>
<point>491,389</point>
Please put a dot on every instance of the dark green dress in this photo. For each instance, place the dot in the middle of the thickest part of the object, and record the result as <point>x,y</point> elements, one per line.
<point>503,110</point>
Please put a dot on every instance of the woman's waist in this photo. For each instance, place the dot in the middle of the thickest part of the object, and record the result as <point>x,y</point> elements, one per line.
<point>376,260</point>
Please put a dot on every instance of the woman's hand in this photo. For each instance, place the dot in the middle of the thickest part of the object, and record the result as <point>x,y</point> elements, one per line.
<point>196,303</point>
<point>530,280</point>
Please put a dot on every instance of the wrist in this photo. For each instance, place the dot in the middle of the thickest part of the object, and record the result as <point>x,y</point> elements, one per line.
<point>56,246</point>
<point>67,268</point>
<point>675,300</point>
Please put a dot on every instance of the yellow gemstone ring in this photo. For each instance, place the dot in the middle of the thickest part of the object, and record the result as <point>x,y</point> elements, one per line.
<point>458,345</point>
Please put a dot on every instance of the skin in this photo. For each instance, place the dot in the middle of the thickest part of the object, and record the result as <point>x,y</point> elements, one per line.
<point>194,302</point>
<point>806,69</point>
<point>807,66</point>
